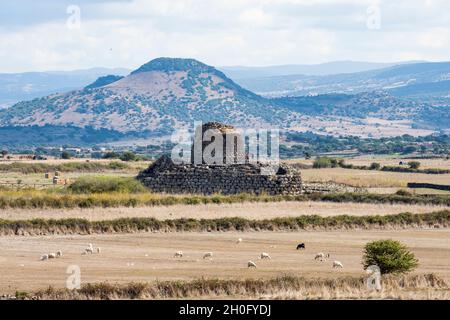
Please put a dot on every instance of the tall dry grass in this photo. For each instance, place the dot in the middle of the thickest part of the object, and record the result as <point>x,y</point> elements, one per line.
<point>427,286</point>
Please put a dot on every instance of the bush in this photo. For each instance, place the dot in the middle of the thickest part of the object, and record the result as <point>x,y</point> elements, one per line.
<point>414,165</point>
<point>128,156</point>
<point>104,184</point>
<point>322,162</point>
<point>65,155</point>
<point>403,192</point>
<point>390,256</point>
<point>375,166</point>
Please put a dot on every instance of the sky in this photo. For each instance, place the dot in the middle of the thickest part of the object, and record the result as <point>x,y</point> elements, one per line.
<point>77,34</point>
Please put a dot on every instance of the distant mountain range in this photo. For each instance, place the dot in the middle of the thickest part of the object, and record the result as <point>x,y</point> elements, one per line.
<point>169,93</point>
<point>323,69</point>
<point>15,87</point>
<point>424,82</point>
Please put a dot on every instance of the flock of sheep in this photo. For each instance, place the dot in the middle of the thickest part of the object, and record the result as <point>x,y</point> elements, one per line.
<point>208,255</point>
<point>89,250</point>
<point>265,256</point>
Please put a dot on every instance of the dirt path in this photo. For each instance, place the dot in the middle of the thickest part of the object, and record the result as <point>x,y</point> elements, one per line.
<point>245,210</point>
<point>148,257</point>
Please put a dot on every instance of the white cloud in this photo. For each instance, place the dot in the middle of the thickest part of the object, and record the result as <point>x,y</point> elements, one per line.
<point>225,32</point>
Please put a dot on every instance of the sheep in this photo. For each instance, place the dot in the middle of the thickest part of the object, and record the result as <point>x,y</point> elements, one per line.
<point>44,257</point>
<point>178,254</point>
<point>52,255</point>
<point>208,255</point>
<point>88,250</point>
<point>301,246</point>
<point>338,264</point>
<point>239,240</point>
<point>320,256</point>
<point>251,264</point>
<point>59,254</point>
<point>265,255</point>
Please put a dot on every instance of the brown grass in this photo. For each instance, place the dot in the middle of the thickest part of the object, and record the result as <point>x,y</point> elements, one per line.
<point>248,210</point>
<point>372,179</point>
<point>427,286</point>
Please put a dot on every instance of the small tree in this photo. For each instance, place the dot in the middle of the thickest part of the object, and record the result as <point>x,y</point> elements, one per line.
<point>414,165</point>
<point>375,166</point>
<point>128,156</point>
<point>65,155</point>
<point>322,162</point>
<point>390,256</point>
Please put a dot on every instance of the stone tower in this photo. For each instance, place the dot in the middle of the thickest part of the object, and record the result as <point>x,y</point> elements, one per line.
<point>213,138</point>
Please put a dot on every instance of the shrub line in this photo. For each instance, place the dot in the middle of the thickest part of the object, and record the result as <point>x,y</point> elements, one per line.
<point>130,225</point>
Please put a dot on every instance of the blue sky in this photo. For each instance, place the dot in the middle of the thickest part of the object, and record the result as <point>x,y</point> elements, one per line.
<point>42,35</point>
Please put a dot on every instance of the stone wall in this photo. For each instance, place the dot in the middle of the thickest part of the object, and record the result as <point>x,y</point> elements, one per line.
<point>164,176</point>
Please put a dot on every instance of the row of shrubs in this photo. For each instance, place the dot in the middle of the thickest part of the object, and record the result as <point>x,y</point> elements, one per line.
<point>27,168</point>
<point>413,166</point>
<point>124,225</point>
<point>45,199</point>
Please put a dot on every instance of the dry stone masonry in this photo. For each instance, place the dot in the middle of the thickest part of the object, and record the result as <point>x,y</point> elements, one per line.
<point>198,177</point>
<point>165,176</point>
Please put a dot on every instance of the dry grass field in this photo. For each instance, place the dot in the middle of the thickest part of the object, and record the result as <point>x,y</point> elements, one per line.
<point>248,210</point>
<point>149,257</point>
<point>372,179</point>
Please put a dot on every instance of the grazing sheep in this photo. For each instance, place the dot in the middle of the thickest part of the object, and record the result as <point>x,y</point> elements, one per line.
<point>208,255</point>
<point>251,264</point>
<point>52,255</point>
<point>337,264</point>
<point>44,257</point>
<point>59,254</point>
<point>178,254</point>
<point>301,246</point>
<point>320,256</point>
<point>265,255</point>
<point>88,250</point>
<point>239,240</point>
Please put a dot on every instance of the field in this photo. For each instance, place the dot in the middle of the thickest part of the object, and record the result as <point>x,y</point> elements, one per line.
<point>372,179</point>
<point>140,251</point>
<point>246,210</point>
<point>149,257</point>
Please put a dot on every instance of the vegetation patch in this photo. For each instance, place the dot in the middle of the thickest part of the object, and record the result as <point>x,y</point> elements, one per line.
<point>41,199</point>
<point>106,184</point>
<point>128,225</point>
<point>28,168</point>
<point>283,287</point>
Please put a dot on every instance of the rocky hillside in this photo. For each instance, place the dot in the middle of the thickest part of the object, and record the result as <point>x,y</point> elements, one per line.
<point>159,96</point>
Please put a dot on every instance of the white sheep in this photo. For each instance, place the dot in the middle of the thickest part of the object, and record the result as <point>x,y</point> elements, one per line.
<point>208,255</point>
<point>251,264</point>
<point>338,264</point>
<point>178,254</point>
<point>52,255</point>
<point>88,250</point>
<point>239,240</point>
<point>265,255</point>
<point>320,256</point>
<point>44,257</point>
<point>59,254</point>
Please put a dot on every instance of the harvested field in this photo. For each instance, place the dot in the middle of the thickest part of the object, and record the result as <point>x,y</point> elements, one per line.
<point>372,179</point>
<point>148,257</point>
<point>248,210</point>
